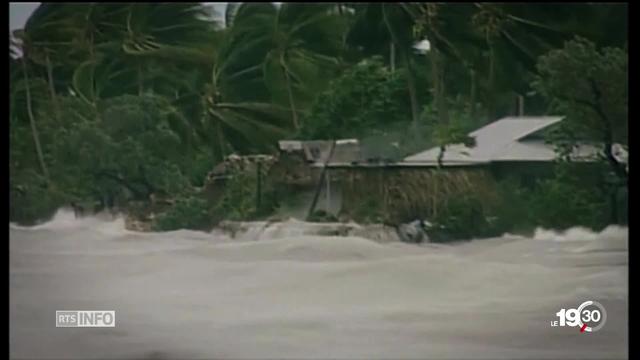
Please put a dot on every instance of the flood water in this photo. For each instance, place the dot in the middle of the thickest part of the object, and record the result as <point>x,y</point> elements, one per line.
<point>287,293</point>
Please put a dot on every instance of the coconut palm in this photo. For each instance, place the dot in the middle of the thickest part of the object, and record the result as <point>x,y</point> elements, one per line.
<point>382,27</point>
<point>227,100</point>
<point>18,44</point>
<point>43,41</point>
<point>301,45</point>
<point>514,39</point>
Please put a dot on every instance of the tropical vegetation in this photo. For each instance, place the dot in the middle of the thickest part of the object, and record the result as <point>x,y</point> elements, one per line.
<point>117,105</point>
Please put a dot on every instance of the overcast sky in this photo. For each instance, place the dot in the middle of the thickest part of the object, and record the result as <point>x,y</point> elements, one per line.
<point>20,12</point>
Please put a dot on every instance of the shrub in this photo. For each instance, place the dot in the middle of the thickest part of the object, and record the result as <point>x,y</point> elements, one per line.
<point>464,217</point>
<point>570,199</point>
<point>366,96</point>
<point>187,213</point>
<point>239,199</point>
<point>32,201</point>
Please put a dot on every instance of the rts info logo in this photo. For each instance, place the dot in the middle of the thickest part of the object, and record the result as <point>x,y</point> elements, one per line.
<point>590,316</point>
<point>80,318</point>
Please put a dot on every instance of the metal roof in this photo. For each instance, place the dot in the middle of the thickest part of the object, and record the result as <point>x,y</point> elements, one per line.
<point>497,141</point>
<point>506,140</point>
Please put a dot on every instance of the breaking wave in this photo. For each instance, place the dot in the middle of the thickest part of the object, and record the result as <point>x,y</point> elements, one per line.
<point>308,290</point>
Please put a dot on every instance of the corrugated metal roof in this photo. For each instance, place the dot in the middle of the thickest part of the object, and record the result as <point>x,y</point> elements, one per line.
<point>497,141</point>
<point>506,140</point>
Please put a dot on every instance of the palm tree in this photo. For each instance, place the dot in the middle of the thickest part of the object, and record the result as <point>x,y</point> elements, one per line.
<point>129,44</point>
<point>515,36</point>
<point>301,44</point>
<point>17,43</point>
<point>501,41</point>
<point>171,50</point>
<point>227,98</point>
<point>381,26</point>
<point>153,31</point>
<point>43,40</point>
<point>451,42</point>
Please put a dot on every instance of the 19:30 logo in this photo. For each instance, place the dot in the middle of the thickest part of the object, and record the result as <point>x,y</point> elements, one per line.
<point>590,316</point>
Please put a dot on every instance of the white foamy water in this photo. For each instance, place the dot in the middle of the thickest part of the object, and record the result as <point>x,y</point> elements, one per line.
<point>297,290</point>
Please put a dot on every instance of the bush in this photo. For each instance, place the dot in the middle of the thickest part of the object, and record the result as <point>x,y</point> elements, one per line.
<point>512,211</point>
<point>187,213</point>
<point>574,195</point>
<point>239,199</point>
<point>31,200</point>
<point>366,96</point>
<point>569,199</point>
<point>464,217</point>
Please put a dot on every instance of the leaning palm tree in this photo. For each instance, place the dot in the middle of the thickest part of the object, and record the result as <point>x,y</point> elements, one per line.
<point>129,45</point>
<point>513,40</point>
<point>451,42</point>
<point>301,44</point>
<point>18,44</point>
<point>226,99</point>
<point>44,40</point>
<point>175,51</point>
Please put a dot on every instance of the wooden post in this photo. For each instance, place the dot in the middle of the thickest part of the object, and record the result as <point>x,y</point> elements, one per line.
<point>520,103</point>
<point>392,56</point>
<point>320,182</point>
<point>328,180</point>
<point>258,185</point>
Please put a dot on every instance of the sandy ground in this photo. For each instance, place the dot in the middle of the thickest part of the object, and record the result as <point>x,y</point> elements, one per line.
<point>193,295</point>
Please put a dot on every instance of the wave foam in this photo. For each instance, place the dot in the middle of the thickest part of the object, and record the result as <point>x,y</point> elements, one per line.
<point>579,233</point>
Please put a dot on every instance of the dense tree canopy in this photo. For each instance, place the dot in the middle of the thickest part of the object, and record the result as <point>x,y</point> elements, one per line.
<point>126,101</point>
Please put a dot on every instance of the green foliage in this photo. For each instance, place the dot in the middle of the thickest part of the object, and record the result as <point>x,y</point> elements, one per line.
<point>303,43</point>
<point>239,199</point>
<point>31,200</point>
<point>367,210</point>
<point>130,147</point>
<point>398,140</point>
<point>463,217</point>
<point>188,212</point>
<point>368,96</point>
<point>570,198</point>
<point>512,211</point>
<point>590,87</point>
<point>133,101</point>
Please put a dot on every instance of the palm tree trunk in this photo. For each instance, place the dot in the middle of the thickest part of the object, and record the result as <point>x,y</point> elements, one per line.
<point>392,56</point>
<point>444,108</point>
<point>34,130</point>
<point>491,106</point>
<point>438,87</point>
<point>52,89</point>
<point>520,105</point>
<point>472,95</point>
<point>412,90</point>
<point>292,104</point>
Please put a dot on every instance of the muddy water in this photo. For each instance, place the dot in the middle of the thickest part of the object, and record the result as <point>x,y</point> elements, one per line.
<point>287,293</point>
